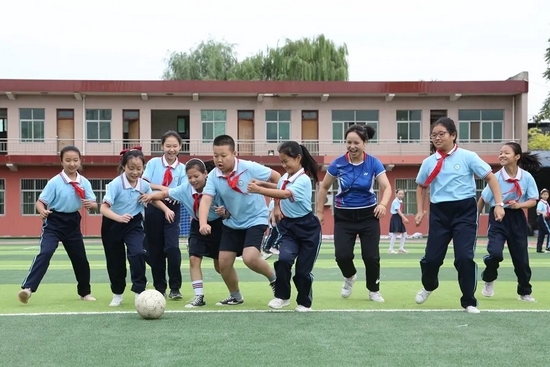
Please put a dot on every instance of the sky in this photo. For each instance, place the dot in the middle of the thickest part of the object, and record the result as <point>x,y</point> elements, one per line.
<point>399,40</point>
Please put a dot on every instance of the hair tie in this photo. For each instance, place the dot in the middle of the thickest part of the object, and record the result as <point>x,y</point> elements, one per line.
<point>124,151</point>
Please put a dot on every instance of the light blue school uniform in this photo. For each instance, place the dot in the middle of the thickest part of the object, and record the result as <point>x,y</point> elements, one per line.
<point>59,194</point>
<point>395,206</point>
<point>355,181</point>
<point>123,198</point>
<point>156,168</point>
<point>299,204</point>
<point>456,179</point>
<point>247,210</point>
<point>541,207</point>
<point>184,194</point>
<point>526,181</point>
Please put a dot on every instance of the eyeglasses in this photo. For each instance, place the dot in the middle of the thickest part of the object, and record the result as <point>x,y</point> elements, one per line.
<point>440,135</point>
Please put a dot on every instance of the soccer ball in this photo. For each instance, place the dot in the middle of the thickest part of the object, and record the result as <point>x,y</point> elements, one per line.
<point>150,304</point>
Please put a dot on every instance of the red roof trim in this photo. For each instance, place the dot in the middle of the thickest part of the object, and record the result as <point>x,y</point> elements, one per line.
<point>257,87</point>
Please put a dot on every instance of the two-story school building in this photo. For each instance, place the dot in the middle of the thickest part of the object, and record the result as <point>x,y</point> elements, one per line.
<point>39,117</point>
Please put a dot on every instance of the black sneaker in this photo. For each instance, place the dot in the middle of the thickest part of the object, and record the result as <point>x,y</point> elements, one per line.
<point>230,301</point>
<point>175,295</point>
<point>198,301</point>
<point>272,285</point>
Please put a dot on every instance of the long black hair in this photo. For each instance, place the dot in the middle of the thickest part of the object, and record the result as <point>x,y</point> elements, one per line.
<point>293,150</point>
<point>527,160</point>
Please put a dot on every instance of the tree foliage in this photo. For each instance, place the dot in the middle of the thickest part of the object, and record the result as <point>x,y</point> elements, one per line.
<point>538,140</point>
<point>545,110</point>
<point>316,59</point>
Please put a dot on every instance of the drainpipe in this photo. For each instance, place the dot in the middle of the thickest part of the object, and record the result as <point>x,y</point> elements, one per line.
<point>83,124</point>
<point>514,118</point>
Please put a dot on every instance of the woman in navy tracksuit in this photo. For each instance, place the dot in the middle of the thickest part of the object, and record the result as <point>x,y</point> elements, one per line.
<point>300,229</point>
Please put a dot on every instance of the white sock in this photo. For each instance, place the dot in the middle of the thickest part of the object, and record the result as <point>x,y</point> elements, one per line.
<point>393,236</point>
<point>197,287</point>
<point>402,244</point>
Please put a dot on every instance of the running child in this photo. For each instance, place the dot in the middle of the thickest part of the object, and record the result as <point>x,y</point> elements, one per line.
<point>397,222</point>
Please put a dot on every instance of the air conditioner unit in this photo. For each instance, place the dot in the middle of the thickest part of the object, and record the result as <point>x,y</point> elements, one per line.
<point>329,200</point>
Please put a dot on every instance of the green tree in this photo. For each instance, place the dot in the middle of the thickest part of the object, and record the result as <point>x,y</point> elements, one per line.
<point>315,59</point>
<point>545,110</point>
<point>538,140</point>
<point>210,60</point>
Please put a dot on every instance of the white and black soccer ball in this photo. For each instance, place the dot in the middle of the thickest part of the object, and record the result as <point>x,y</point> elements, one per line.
<point>150,304</point>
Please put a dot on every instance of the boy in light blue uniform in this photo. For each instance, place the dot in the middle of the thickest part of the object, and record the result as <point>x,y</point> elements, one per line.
<point>543,215</point>
<point>59,205</point>
<point>519,192</point>
<point>244,230</point>
<point>449,173</point>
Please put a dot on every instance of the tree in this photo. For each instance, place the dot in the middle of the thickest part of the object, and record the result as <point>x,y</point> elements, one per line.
<point>545,110</point>
<point>211,60</point>
<point>303,60</point>
<point>538,140</point>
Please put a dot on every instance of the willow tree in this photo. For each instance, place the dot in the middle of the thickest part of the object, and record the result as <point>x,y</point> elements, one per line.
<point>315,59</point>
<point>545,110</point>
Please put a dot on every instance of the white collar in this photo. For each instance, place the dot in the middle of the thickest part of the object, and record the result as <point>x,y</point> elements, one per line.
<point>126,183</point>
<point>173,165</point>
<point>438,155</point>
<point>68,180</point>
<point>294,176</point>
<point>506,177</point>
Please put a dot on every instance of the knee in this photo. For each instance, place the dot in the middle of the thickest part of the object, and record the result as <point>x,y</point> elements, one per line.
<point>195,262</point>
<point>250,260</point>
<point>217,266</point>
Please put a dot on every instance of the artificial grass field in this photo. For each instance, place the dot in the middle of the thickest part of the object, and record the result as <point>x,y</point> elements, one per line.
<point>56,329</point>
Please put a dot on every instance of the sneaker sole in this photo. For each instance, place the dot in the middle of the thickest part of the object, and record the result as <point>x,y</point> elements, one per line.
<point>176,298</point>
<point>194,306</point>
<point>278,308</point>
<point>229,304</point>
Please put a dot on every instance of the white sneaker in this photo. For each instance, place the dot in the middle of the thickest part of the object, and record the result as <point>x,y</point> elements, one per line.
<point>117,300</point>
<point>488,290</point>
<point>266,255</point>
<point>136,297</point>
<point>347,286</point>
<point>472,309</point>
<point>422,296</point>
<point>526,298</point>
<point>301,308</point>
<point>278,303</point>
<point>392,252</point>
<point>376,297</point>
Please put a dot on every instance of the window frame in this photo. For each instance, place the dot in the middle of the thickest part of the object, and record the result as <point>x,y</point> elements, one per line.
<point>408,185</point>
<point>99,122</point>
<point>480,186</point>
<point>36,190</point>
<point>468,123</point>
<point>213,123</point>
<point>99,193</point>
<point>278,122</point>
<point>41,122</point>
<point>409,122</point>
<point>2,196</point>
<point>346,123</point>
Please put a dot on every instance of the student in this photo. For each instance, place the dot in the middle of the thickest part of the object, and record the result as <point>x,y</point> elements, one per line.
<point>122,223</point>
<point>300,229</point>
<point>243,231</point>
<point>272,240</point>
<point>58,206</point>
<point>543,215</point>
<point>449,174</point>
<point>161,236</point>
<point>397,222</point>
<point>356,211</point>
<point>519,192</point>
<point>189,193</point>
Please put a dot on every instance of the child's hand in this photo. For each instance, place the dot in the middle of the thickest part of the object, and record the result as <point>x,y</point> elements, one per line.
<point>44,213</point>
<point>253,187</point>
<point>124,218</point>
<point>405,220</point>
<point>169,215</point>
<point>145,199</point>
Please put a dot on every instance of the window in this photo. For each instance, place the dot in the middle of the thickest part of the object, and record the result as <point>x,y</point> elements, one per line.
<point>3,131</point>
<point>213,124</point>
<point>277,125</point>
<point>98,126</point>
<point>480,185</point>
<point>343,119</point>
<point>32,124</point>
<point>480,126</point>
<point>30,191</point>
<point>409,201</point>
<point>409,124</point>
<point>98,186</point>
<point>2,196</point>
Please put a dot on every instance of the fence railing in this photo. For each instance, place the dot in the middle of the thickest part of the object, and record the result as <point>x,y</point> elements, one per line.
<point>244,147</point>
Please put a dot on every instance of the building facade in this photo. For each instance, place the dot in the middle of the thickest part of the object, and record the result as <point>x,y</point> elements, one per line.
<point>39,117</point>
